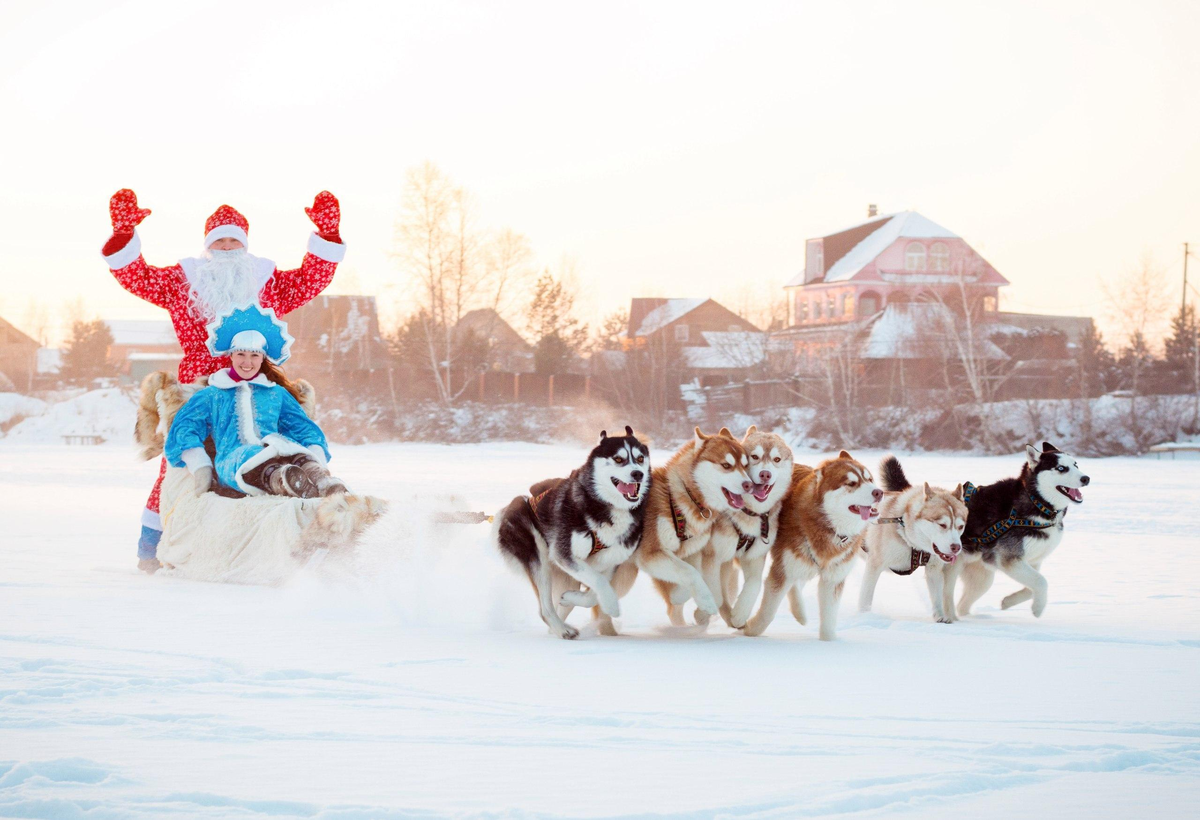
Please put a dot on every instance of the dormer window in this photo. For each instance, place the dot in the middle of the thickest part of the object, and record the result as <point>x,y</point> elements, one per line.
<point>939,256</point>
<point>914,256</point>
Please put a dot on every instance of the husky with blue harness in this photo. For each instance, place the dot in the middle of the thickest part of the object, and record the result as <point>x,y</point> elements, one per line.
<point>1014,524</point>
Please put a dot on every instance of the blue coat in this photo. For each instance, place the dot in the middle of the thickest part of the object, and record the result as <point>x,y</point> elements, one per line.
<point>250,422</point>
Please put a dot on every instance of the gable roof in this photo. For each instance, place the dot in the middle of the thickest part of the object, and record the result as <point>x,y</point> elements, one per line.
<point>848,259</point>
<point>664,314</point>
<point>15,335</point>
<point>487,323</point>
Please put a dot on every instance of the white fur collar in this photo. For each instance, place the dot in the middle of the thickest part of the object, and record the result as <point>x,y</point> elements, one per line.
<point>224,381</point>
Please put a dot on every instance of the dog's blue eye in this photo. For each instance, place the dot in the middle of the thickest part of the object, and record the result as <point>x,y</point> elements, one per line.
<point>1061,469</point>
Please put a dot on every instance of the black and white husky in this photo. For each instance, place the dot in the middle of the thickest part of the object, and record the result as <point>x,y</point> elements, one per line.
<point>580,529</point>
<point>1014,524</point>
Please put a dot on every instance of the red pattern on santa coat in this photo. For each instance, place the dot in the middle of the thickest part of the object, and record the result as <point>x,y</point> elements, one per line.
<point>168,288</point>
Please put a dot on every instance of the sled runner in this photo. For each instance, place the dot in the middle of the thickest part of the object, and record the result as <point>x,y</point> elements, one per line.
<point>251,540</point>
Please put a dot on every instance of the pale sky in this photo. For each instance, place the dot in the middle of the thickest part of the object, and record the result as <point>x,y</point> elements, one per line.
<point>674,149</point>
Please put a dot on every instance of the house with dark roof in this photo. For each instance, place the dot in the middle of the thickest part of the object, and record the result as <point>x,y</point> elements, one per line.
<point>713,343</point>
<point>18,358</point>
<point>507,350</point>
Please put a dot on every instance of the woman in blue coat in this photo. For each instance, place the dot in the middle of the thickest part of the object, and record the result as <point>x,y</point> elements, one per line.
<point>265,443</point>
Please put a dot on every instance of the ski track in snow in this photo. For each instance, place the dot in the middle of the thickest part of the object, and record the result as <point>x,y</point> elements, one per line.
<point>430,689</point>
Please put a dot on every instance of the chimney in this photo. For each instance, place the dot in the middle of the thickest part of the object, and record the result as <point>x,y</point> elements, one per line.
<point>872,211</point>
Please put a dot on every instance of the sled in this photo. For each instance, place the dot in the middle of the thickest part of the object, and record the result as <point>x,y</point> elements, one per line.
<point>247,540</point>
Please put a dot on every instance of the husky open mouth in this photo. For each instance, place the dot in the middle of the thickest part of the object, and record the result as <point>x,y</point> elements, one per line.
<point>949,559</point>
<point>761,491</point>
<point>1072,493</point>
<point>863,510</point>
<point>629,491</point>
<point>735,501</point>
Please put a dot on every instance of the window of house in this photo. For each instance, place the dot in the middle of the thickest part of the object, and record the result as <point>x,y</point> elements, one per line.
<point>868,304</point>
<point>939,256</point>
<point>801,311</point>
<point>914,256</point>
<point>681,333</point>
<point>847,304</point>
<point>831,307</point>
<point>989,304</point>
<point>816,308</point>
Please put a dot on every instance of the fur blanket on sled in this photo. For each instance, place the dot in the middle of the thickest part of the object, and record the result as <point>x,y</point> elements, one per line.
<point>259,540</point>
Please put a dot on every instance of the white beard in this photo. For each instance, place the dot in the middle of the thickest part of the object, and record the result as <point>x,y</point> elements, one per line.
<point>224,280</point>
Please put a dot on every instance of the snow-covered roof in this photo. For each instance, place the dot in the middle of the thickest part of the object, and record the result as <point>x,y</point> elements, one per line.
<point>915,330</point>
<point>666,313</point>
<point>49,359</point>
<point>141,332</point>
<point>906,224</point>
<point>154,357</point>
<point>727,349</point>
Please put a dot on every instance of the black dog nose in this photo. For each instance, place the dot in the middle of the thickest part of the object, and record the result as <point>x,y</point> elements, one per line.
<point>636,475</point>
<point>1085,480</point>
<point>877,494</point>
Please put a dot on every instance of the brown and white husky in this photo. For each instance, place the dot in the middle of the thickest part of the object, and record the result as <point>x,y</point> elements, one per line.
<point>757,523</point>
<point>821,527</point>
<point>917,527</point>
<point>688,527</point>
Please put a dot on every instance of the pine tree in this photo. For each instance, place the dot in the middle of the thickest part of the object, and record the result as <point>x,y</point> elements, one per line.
<point>1179,354</point>
<point>86,353</point>
<point>1095,365</point>
<point>560,337</point>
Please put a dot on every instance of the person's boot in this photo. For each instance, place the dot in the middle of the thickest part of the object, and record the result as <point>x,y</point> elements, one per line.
<point>319,474</point>
<point>289,480</point>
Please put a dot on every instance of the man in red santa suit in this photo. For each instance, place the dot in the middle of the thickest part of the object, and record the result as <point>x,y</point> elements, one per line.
<point>194,291</point>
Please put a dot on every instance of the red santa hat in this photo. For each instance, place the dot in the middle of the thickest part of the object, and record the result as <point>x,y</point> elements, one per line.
<point>226,222</point>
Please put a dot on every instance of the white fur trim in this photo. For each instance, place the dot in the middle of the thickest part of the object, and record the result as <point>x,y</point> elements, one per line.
<point>318,453</point>
<point>227,232</point>
<point>324,249</point>
<point>151,519</point>
<point>223,381</point>
<point>195,458</point>
<point>273,445</point>
<point>127,254</point>
<point>248,341</point>
<point>244,407</point>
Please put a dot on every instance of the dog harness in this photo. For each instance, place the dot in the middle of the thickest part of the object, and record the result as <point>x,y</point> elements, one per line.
<point>918,558</point>
<point>993,533</point>
<point>764,530</point>
<point>678,518</point>
<point>533,502</point>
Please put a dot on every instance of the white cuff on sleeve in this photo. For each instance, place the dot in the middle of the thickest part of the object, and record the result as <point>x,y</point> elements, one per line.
<point>318,453</point>
<point>324,249</point>
<point>195,459</point>
<point>127,254</point>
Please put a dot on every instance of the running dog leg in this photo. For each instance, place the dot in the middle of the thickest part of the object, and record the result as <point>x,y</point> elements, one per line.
<point>622,581</point>
<point>1018,597</point>
<point>666,566</point>
<point>796,604</point>
<point>579,569</point>
<point>752,572</point>
<point>866,593</point>
<point>777,586</point>
<point>977,579</point>
<point>1033,581</point>
<point>829,592</point>
<point>563,585</point>
<point>949,579</point>
<point>937,583</point>
<point>710,568</point>
<point>729,579</point>
<point>540,574</point>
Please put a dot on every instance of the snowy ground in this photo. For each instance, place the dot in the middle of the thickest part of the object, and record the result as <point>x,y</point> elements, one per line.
<point>431,689</point>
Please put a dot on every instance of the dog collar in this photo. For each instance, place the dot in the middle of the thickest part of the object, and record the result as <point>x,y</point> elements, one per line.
<point>705,512</point>
<point>680,521</point>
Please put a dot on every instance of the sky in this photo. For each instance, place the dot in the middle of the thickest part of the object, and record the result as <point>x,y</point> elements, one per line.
<point>666,149</point>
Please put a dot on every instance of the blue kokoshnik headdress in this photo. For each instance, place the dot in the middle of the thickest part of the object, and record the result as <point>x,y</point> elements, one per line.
<point>252,328</point>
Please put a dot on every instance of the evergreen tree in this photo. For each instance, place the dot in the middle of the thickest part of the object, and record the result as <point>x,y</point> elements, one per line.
<point>559,336</point>
<point>86,353</point>
<point>1095,365</point>
<point>1179,354</point>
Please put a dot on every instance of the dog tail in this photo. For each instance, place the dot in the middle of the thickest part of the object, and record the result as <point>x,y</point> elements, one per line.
<point>892,475</point>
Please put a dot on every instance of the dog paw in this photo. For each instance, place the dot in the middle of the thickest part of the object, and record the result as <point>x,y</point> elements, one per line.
<point>707,604</point>
<point>828,636</point>
<point>568,632</point>
<point>702,617</point>
<point>1038,608</point>
<point>610,607</point>
<point>605,627</point>
<point>944,620</point>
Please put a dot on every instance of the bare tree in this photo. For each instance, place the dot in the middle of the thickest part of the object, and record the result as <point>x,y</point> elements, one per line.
<point>453,267</point>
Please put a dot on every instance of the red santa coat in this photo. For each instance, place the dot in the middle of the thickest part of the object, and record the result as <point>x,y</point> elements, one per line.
<point>283,290</point>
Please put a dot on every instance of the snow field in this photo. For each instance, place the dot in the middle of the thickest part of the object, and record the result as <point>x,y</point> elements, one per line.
<point>428,687</point>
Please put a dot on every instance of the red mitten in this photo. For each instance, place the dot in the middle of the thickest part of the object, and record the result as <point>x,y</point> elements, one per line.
<point>124,211</point>
<point>325,213</point>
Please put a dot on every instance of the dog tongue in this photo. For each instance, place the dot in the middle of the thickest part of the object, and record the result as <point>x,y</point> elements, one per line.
<point>1076,495</point>
<point>865,512</point>
<point>761,491</point>
<point>626,489</point>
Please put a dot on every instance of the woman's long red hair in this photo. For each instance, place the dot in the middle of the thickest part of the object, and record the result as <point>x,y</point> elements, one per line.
<point>275,373</point>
